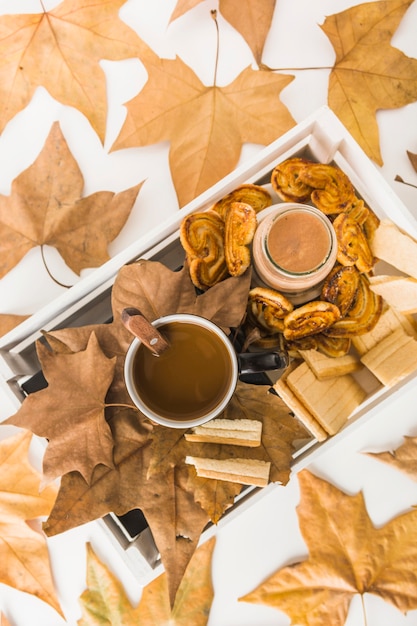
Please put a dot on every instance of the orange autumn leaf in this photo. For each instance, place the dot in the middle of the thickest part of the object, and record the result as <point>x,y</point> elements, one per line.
<point>343,560</point>
<point>369,73</point>
<point>3,620</point>
<point>61,50</point>
<point>182,7</point>
<point>9,321</point>
<point>206,126</point>
<point>70,411</point>
<point>46,207</point>
<point>252,20</point>
<point>23,551</point>
<point>403,458</point>
<point>105,602</point>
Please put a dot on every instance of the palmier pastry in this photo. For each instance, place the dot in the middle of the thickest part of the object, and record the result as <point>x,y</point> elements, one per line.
<point>256,196</point>
<point>202,237</point>
<point>332,346</point>
<point>332,192</point>
<point>359,212</point>
<point>268,308</point>
<point>286,181</point>
<point>310,319</point>
<point>239,229</point>
<point>362,316</point>
<point>353,247</point>
<point>340,287</point>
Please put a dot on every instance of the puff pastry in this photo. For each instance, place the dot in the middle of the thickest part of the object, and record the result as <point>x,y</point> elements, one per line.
<point>362,316</point>
<point>287,183</point>
<point>340,287</point>
<point>310,319</point>
<point>239,229</point>
<point>353,246</point>
<point>268,308</point>
<point>202,237</point>
<point>332,191</point>
<point>256,196</point>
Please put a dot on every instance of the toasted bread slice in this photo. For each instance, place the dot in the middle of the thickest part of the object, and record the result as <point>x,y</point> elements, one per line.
<point>400,292</point>
<point>243,471</point>
<point>331,401</point>
<point>397,248</point>
<point>239,432</point>
<point>392,359</point>
<point>325,366</point>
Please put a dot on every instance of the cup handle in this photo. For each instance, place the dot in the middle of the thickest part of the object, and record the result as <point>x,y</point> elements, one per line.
<point>255,362</point>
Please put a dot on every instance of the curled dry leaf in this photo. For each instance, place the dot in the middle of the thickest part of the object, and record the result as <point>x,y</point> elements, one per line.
<point>403,458</point>
<point>247,110</point>
<point>23,551</point>
<point>46,207</point>
<point>70,411</point>
<point>61,50</point>
<point>342,559</point>
<point>369,73</point>
<point>105,601</point>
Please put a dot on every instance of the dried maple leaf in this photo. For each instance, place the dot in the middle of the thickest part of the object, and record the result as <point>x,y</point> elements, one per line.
<point>70,411</point>
<point>413,159</point>
<point>182,7</point>
<point>61,50</point>
<point>369,74</point>
<point>46,207</point>
<point>206,126</point>
<point>175,519</point>
<point>252,20</point>
<point>404,458</point>
<point>343,559</point>
<point>3,620</point>
<point>23,551</point>
<point>105,601</point>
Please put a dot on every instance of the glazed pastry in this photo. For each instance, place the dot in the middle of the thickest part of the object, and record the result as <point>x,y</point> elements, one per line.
<point>362,316</point>
<point>340,287</point>
<point>310,319</point>
<point>286,181</point>
<point>267,308</point>
<point>202,237</point>
<point>353,247</point>
<point>332,192</point>
<point>239,229</point>
<point>258,197</point>
<point>332,346</point>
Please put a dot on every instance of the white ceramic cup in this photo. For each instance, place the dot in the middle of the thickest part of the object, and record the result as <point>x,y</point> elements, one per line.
<point>227,387</point>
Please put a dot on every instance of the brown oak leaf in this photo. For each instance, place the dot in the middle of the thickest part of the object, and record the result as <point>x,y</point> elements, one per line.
<point>343,559</point>
<point>61,50</point>
<point>105,601</point>
<point>174,103</point>
<point>46,207</point>
<point>404,458</point>
<point>369,73</point>
<point>23,551</point>
<point>70,411</point>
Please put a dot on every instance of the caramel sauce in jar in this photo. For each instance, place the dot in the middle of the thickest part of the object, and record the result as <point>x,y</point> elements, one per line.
<point>294,249</point>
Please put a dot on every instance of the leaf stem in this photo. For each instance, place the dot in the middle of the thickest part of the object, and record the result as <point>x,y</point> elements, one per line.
<point>365,621</point>
<point>126,406</point>
<point>216,63</point>
<point>50,273</point>
<point>398,179</point>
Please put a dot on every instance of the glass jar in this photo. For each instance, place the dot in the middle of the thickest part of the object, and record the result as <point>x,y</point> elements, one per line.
<point>294,249</point>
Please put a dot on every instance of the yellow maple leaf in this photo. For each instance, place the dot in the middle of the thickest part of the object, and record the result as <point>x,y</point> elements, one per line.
<point>105,602</point>
<point>205,125</point>
<point>60,50</point>
<point>23,551</point>
<point>347,556</point>
<point>369,73</point>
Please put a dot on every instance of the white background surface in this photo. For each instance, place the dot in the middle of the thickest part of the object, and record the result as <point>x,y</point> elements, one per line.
<point>265,536</point>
